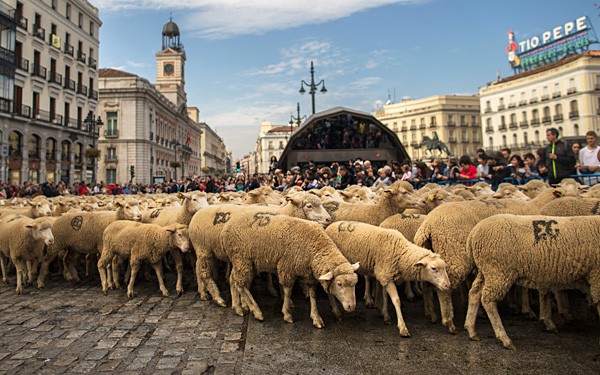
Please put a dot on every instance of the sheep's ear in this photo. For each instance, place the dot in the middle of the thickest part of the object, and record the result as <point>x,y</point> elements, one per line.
<point>326,277</point>
<point>558,193</point>
<point>30,225</point>
<point>355,266</point>
<point>521,187</point>
<point>295,199</point>
<point>316,192</point>
<point>421,263</point>
<point>180,195</point>
<point>171,230</point>
<point>222,198</point>
<point>345,193</point>
<point>388,191</point>
<point>118,204</point>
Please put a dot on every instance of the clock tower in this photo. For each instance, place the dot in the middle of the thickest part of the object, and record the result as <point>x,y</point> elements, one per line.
<point>170,66</point>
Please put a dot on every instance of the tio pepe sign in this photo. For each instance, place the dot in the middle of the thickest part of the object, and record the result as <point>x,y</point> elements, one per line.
<point>553,35</point>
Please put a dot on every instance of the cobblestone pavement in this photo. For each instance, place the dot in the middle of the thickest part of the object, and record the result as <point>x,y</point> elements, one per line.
<point>67,328</point>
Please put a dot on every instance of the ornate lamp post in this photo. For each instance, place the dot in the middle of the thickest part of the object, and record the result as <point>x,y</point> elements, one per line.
<point>312,86</point>
<point>296,119</point>
<point>92,127</point>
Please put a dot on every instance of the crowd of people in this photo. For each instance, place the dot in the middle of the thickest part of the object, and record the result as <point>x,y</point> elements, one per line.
<point>552,163</point>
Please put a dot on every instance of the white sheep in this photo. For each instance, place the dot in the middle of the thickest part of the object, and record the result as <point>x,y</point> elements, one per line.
<point>22,239</point>
<point>391,258</point>
<point>81,233</point>
<point>206,226</point>
<point>445,231</point>
<point>192,202</point>
<point>127,239</point>
<point>295,249</point>
<point>34,208</point>
<point>571,206</point>
<point>539,252</point>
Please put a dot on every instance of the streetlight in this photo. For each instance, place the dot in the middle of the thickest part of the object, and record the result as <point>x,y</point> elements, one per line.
<point>313,87</point>
<point>297,119</point>
<point>92,128</point>
<point>175,143</point>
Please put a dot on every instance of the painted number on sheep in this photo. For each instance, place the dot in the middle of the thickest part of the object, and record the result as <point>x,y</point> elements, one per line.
<point>221,218</point>
<point>263,218</point>
<point>346,227</point>
<point>543,230</point>
<point>155,214</point>
<point>77,222</point>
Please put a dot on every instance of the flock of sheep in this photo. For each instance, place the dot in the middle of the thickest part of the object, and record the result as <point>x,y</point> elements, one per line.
<point>436,238</point>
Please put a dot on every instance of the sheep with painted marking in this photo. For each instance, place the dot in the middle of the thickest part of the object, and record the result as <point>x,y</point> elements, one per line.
<point>541,252</point>
<point>294,249</point>
<point>139,242</point>
<point>34,208</point>
<point>391,258</point>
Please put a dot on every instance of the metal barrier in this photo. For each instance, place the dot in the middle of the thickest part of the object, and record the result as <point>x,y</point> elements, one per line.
<point>587,179</point>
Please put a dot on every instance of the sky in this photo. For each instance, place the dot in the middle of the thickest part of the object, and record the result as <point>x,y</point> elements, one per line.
<point>246,58</point>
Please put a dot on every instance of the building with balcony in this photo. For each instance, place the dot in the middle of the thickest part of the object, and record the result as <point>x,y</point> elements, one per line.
<point>145,128</point>
<point>516,111</point>
<point>214,158</point>
<point>49,91</point>
<point>455,119</point>
<point>271,141</point>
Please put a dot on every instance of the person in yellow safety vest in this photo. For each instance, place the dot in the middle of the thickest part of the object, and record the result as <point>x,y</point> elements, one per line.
<point>560,160</point>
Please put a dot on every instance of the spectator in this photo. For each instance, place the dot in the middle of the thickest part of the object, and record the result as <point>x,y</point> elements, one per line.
<point>575,147</point>
<point>83,189</point>
<point>346,178</point>
<point>210,185</point>
<point>506,155</point>
<point>483,169</point>
<point>540,163</point>
<point>273,164</point>
<point>589,156</point>
<point>406,172</point>
<point>559,158</point>
<point>530,165</point>
<point>423,174</point>
<point>383,179</point>
<point>468,170</point>
<point>517,168</point>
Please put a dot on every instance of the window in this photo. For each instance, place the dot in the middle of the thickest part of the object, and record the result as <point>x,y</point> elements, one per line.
<point>433,120</point>
<point>511,102</point>
<point>576,130</point>
<point>502,121</point>
<point>54,2</point>
<point>50,149</point>
<point>491,142</point>
<point>450,119</point>
<point>504,141</point>
<point>524,115</point>
<point>14,143</point>
<point>547,112</point>
<point>463,120</point>
<point>111,124</point>
<point>270,146</point>
<point>80,23</point>
<point>78,153</point>
<point>92,28</point>
<point>111,153</point>
<point>281,145</point>
<point>66,151</point>
<point>111,176</point>
<point>68,12</point>
<point>558,109</point>
<point>33,146</point>
<point>465,135</point>
<point>536,137</point>
<point>515,140</point>
<point>535,115</point>
<point>573,105</point>
<point>525,140</point>
<point>533,94</point>
<point>474,120</point>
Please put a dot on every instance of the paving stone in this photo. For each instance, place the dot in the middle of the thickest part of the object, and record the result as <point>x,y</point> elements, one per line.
<point>84,367</point>
<point>64,360</point>
<point>118,333</point>
<point>174,352</point>
<point>109,365</point>
<point>138,363</point>
<point>75,334</point>
<point>224,369</point>
<point>96,354</point>
<point>168,363</point>
<point>120,353</point>
<point>194,368</point>
<point>132,342</point>
<point>228,347</point>
<point>25,354</point>
<point>233,336</point>
<point>106,343</point>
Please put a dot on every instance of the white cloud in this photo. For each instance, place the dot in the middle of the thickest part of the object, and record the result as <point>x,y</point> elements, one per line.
<point>371,64</point>
<point>135,64</point>
<point>365,83</point>
<point>218,19</point>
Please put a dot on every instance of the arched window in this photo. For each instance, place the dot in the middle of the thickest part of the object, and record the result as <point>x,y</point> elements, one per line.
<point>66,151</point>
<point>576,130</point>
<point>491,142</point>
<point>573,106</point>
<point>560,131</point>
<point>535,114</point>
<point>547,112</point>
<point>558,109</point>
<point>15,144</point>
<point>536,137</point>
<point>525,140</point>
<point>33,146</point>
<point>50,149</point>
<point>524,115</point>
<point>78,153</point>
<point>514,143</point>
<point>503,140</point>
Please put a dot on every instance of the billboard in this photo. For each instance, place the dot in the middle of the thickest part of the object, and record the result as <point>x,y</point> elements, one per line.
<point>573,37</point>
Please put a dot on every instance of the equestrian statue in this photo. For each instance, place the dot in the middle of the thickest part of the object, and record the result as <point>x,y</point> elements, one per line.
<point>435,144</point>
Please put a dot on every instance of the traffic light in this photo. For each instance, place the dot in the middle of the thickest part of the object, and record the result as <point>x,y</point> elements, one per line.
<point>237,166</point>
<point>132,172</point>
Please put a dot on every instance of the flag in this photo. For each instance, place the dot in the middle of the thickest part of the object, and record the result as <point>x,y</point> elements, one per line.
<point>55,41</point>
<point>187,139</point>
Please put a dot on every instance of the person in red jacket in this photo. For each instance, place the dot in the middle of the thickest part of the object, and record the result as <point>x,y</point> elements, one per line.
<point>468,170</point>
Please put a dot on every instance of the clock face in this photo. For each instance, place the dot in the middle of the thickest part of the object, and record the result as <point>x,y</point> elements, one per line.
<point>169,68</point>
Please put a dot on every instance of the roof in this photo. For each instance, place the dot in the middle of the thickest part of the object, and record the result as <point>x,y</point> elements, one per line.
<point>550,66</point>
<point>113,73</point>
<point>280,129</point>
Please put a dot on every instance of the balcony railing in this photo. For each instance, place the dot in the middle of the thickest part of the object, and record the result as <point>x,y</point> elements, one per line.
<point>111,133</point>
<point>69,84</point>
<point>69,50</point>
<point>452,140</point>
<point>56,119</point>
<point>93,94</point>
<point>502,127</point>
<point>546,120</point>
<point>571,90</point>
<point>7,55</point>
<point>524,124</point>
<point>39,32</point>
<point>556,94</point>
<point>451,123</point>
<point>6,105</point>
<point>81,89</point>
<point>545,97</point>
<point>39,71</point>
<point>489,129</point>
<point>22,110</point>
<point>533,100</point>
<point>55,78</point>
<point>512,125</point>
<point>413,127</point>
<point>522,102</point>
<point>42,115</point>
<point>488,110</point>
<point>23,64</point>
<point>23,23</point>
<point>501,107</point>
<point>72,123</point>
<point>432,125</point>
<point>574,114</point>
<point>512,105</point>
<point>558,118</point>
<point>403,129</point>
<point>81,56</point>
<point>421,126</point>
<point>535,122</point>
<point>110,158</point>
<point>92,63</point>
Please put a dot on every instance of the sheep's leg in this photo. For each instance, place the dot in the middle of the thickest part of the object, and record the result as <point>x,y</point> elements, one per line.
<point>546,311</point>
<point>447,310</point>
<point>159,275</point>
<point>408,291</point>
<point>368,296</point>
<point>245,293</point>
<point>135,267</point>
<point>393,293</point>
<point>205,271</point>
<point>314,312</point>
<point>176,254</point>
<point>417,288</point>
<point>474,303</point>
<point>29,272</point>
<point>201,285</point>
<point>48,258</point>
<point>492,310</point>
<point>270,287</point>
<point>69,262</point>
<point>428,303</point>
<point>102,262</point>
<point>384,306</point>
<point>3,266</point>
<point>20,275</point>
<point>235,297</point>
<point>334,307</point>
<point>115,273</point>
<point>287,297</point>
<point>562,300</point>
<point>525,306</point>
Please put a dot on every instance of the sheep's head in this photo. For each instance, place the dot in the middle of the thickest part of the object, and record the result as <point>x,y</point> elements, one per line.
<point>433,270</point>
<point>311,206</point>
<point>194,201</point>
<point>533,188</point>
<point>40,208</point>
<point>481,189</point>
<point>506,190</point>
<point>341,283</point>
<point>328,194</point>
<point>41,230</point>
<point>404,196</point>
<point>180,236</point>
<point>129,210</point>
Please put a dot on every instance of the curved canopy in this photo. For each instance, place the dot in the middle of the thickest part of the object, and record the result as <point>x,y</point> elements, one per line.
<point>339,135</point>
